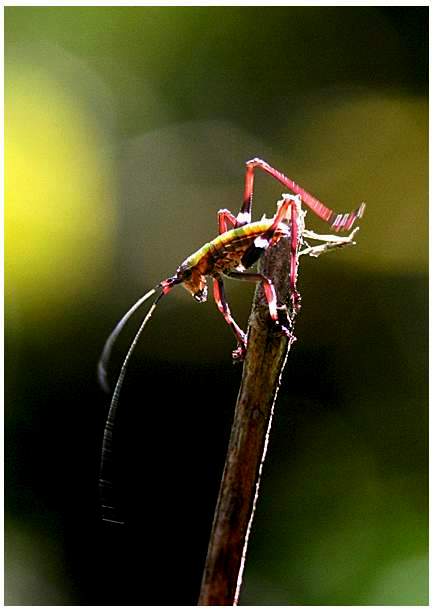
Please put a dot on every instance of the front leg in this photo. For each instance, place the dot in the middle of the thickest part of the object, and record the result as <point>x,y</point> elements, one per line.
<point>220,300</point>
<point>226,217</point>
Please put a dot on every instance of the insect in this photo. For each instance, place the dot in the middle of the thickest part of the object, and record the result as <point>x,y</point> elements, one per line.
<point>239,244</point>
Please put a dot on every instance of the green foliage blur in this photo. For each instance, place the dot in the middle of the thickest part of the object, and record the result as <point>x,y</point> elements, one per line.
<point>126,129</point>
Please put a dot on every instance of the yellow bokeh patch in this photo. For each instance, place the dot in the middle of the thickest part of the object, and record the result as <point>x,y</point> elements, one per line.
<point>59,193</point>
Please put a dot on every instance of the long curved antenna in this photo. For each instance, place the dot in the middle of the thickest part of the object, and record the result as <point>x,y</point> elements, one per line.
<point>107,349</point>
<point>107,495</point>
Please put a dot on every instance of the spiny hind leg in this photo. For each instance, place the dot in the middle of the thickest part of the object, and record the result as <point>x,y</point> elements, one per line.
<point>338,221</point>
<point>244,215</point>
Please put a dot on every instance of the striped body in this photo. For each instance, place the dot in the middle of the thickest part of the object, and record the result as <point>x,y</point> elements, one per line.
<point>226,251</point>
<point>233,250</point>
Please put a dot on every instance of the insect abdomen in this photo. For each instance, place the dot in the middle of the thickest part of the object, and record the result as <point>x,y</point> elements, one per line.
<point>240,234</point>
<point>226,251</point>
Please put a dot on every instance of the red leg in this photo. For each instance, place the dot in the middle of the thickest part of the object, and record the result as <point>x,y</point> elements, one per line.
<point>281,214</point>
<point>223,307</point>
<point>338,221</point>
<point>225,217</point>
<point>293,264</point>
<point>244,215</point>
<point>270,294</point>
<point>268,287</point>
<point>271,236</point>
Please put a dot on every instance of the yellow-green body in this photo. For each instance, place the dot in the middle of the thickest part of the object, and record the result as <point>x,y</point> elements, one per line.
<point>228,248</point>
<point>225,253</point>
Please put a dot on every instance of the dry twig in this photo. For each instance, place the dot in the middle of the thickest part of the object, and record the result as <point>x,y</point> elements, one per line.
<point>263,366</point>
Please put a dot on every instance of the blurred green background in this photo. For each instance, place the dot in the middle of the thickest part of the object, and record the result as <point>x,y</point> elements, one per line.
<point>126,130</point>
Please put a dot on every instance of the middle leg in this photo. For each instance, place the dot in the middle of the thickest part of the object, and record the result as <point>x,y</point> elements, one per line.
<point>270,294</point>
<point>274,233</point>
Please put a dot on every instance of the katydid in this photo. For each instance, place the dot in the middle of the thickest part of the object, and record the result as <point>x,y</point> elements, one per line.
<point>239,245</point>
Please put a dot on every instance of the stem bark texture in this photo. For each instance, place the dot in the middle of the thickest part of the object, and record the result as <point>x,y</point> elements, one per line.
<point>263,366</point>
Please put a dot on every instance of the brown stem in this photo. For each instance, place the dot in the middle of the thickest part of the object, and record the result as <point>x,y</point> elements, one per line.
<point>266,357</point>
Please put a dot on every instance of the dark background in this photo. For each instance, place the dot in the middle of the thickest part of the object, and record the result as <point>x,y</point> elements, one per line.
<point>126,130</point>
